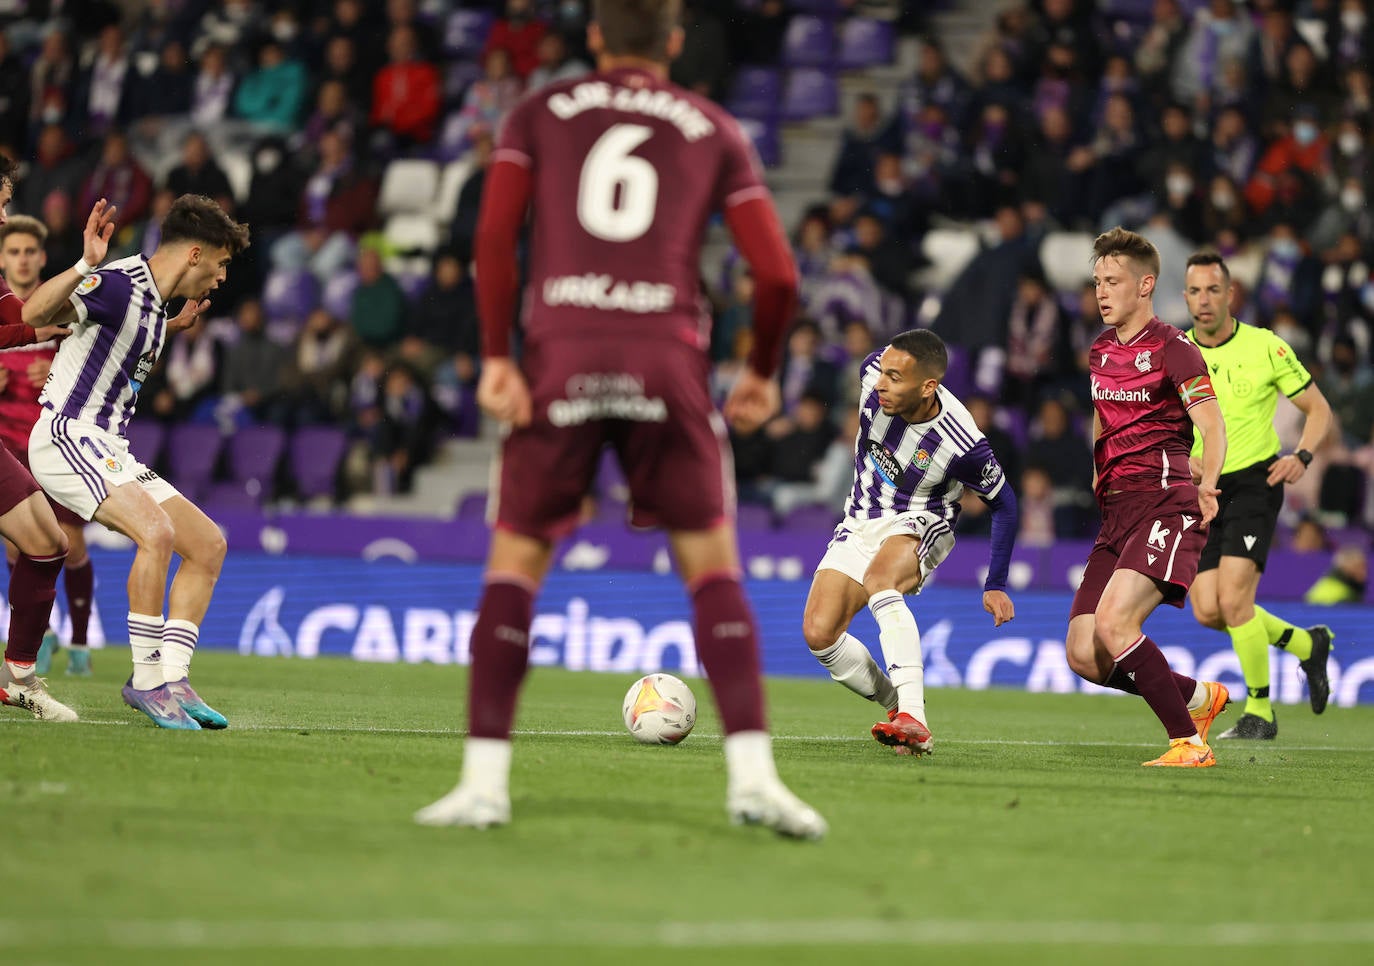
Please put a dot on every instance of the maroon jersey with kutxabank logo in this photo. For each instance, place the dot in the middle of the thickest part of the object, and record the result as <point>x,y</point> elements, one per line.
<point>1142,391</point>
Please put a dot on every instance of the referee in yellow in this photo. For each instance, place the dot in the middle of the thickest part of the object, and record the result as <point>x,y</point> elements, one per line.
<point>1249,367</point>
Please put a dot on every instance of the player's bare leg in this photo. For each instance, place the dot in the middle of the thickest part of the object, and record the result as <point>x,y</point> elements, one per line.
<point>830,607</point>
<point>128,509</point>
<point>895,570</point>
<point>33,529</point>
<point>727,646</point>
<point>516,565</point>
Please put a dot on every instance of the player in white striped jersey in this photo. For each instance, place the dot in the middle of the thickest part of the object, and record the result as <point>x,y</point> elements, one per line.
<point>917,450</point>
<point>119,322</point>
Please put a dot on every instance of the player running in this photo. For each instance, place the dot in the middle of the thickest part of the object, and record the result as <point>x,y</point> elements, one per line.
<point>23,370</point>
<point>916,450</point>
<point>119,323</point>
<point>621,171</point>
<point>1249,368</point>
<point>1149,389</point>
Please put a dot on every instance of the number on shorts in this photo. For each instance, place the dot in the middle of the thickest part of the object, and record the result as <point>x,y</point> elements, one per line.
<point>617,193</point>
<point>95,447</point>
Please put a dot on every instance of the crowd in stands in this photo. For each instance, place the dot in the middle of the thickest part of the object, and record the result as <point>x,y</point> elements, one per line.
<point>1203,123</point>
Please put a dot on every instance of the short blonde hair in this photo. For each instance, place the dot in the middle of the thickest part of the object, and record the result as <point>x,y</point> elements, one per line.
<point>24,225</point>
<point>1121,243</point>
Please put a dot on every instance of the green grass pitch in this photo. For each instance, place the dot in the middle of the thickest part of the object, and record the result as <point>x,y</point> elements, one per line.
<point>1031,836</point>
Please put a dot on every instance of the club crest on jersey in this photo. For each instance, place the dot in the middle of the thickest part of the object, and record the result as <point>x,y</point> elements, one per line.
<point>921,460</point>
<point>113,465</point>
<point>88,285</point>
<point>884,462</point>
<point>1142,361</point>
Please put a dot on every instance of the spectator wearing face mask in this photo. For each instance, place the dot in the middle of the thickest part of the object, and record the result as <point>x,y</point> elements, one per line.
<point>1344,216</point>
<point>1226,221</point>
<point>1290,168</point>
<point>1289,278</point>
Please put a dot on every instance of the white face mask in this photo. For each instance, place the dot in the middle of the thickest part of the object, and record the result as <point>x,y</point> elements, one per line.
<point>1350,143</point>
<point>1223,200</point>
<point>1352,199</point>
<point>1178,184</point>
<point>1352,20</point>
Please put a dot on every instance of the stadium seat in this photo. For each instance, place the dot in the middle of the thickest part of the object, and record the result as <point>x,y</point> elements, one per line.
<point>290,295</point>
<point>412,233</point>
<point>451,181</point>
<point>254,452</point>
<point>146,439</point>
<point>408,186</point>
<point>465,33</point>
<point>809,42</point>
<point>315,454</point>
<point>865,42</point>
<point>1066,257</point>
<point>764,135</point>
<point>755,93</point>
<point>958,371</point>
<point>192,453</point>
<point>948,250</point>
<point>219,497</point>
<point>809,93</point>
<point>238,168</point>
<point>338,294</point>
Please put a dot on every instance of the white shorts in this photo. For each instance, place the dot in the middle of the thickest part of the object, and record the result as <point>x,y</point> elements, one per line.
<point>77,463</point>
<point>856,542</point>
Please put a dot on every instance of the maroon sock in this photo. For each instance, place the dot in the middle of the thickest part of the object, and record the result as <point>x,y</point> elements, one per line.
<point>500,655</point>
<point>33,587</point>
<point>79,580</point>
<point>728,648</point>
<point>1122,681</point>
<point>1146,663</point>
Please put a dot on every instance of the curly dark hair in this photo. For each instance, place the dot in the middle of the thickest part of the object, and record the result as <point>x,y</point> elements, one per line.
<point>8,169</point>
<point>196,218</point>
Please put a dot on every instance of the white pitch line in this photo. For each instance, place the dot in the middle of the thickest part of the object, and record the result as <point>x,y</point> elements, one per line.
<point>701,736</point>
<point>427,933</point>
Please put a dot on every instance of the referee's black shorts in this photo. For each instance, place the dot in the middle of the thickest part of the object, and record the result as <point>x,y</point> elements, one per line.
<point>1248,511</point>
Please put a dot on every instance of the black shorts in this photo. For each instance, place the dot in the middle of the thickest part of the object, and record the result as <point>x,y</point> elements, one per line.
<point>1248,510</point>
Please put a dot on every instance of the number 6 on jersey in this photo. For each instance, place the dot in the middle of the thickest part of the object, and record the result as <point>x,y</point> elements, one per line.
<point>617,193</point>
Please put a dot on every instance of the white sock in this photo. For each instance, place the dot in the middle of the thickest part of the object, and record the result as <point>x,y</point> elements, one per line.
<point>901,642</point>
<point>749,759</point>
<point>486,765</point>
<point>1201,695</point>
<point>850,663</point>
<point>179,640</point>
<point>145,641</point>
<point>19,671</point>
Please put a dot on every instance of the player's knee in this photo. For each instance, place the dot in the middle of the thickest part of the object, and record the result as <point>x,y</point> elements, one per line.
<point>158,536</point>
<point>1208,614</point>
<point>1079,650</point>
<point>876,581</point>
<point>1113,633</point>
<point>211,549</point>
<point>819,631</point>
<point>1235,610</point>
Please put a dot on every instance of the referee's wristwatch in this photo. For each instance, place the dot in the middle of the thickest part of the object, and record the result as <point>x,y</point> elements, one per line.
<point>1305,456</point>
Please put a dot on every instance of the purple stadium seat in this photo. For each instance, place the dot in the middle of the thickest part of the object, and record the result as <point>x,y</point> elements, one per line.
<point>958,379</point>
<point>756,92</point>
<point>338,294</point>
<point>809,93</point>
<point>228,496</point>
<point>192,453</point>
<point>466,32</point>
<point>764,134</point>
<point>473,507</point>
<point>146,439</point>
<point>809,42</point>
<point>1016,422</point>
<point>315,454</point>
<point>752,517</point>
<point>865,42</point>
<point>290,295</point>
<point>815,519</point>
<point>254,452</point>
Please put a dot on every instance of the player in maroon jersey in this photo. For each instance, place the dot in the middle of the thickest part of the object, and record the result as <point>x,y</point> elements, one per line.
<point>621,171</point>
<point>26,518</point>
<point>1149,388</point>
<point>23,370</point>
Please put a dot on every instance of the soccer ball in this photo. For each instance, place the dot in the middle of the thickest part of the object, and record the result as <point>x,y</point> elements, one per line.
<point>660,709</point>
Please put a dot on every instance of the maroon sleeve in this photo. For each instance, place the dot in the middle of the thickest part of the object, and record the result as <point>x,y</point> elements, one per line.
<point>13,330</point>
<point>1187,371</point>
<point>504,199</point>
<point>754,223</point>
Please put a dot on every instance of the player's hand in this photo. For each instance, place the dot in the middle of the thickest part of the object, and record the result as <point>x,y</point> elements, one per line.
<point>45,332</point>
<point>1207,503</point>
<point>1195,468</point>
<point>100,226</point>
<point>1286,469</point>
<point>38,369</point>
<point>999,605</point>
<point>752,402</point>
<point>189,315</point>
<point>503,394</point>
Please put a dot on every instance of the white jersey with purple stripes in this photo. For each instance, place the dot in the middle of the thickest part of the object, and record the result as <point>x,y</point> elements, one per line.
<point>901,466</point>
<point>119,331</point>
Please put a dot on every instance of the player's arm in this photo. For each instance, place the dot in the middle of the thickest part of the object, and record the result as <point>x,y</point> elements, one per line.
<point>1206,416</point>
<point>52,304</point>
<point>13,331</point>
<point>1097,432</point>
<point>501,389</point>
<point>753,222</point>
<point>1315,429</point>
<point>980,471</point>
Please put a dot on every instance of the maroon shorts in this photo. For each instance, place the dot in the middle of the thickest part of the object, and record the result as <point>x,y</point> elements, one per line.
<point>650,403</point>
<point>16,482</point>
<point>64,515</point>
<point>1155,533</point>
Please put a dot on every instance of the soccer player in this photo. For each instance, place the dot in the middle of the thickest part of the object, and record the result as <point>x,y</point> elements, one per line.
<point>1249,368</point>
<point>25,369</point>
<point>1149,389</point>
<point>621,171</point>
<point>916,450</point>
<point>27,521</point>
<point>119,322</point>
